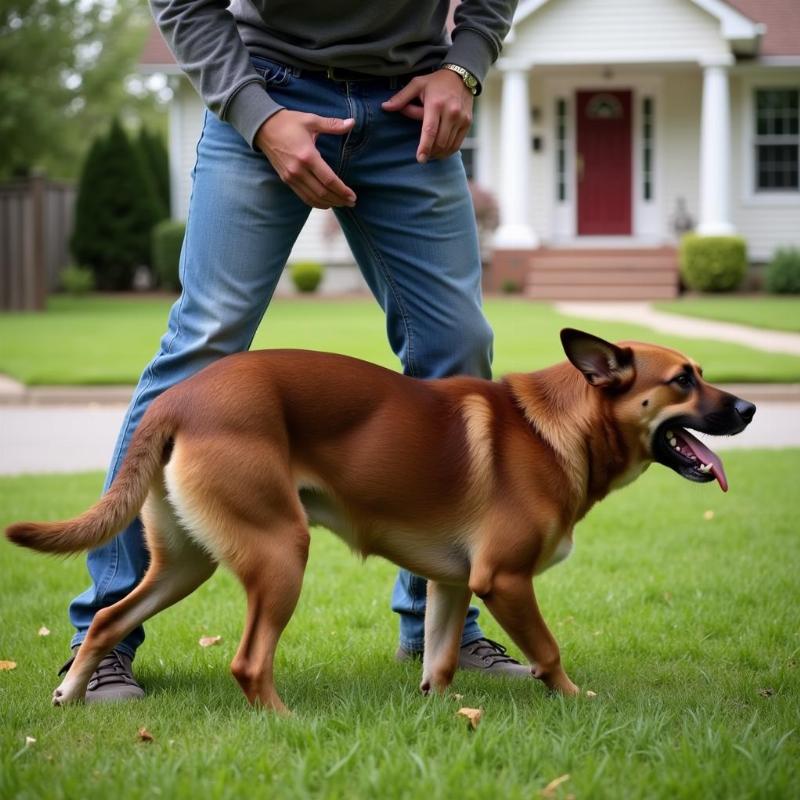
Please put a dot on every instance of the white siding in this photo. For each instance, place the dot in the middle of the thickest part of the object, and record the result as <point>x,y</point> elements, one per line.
<point>186,121</point>
<point>623,31</point>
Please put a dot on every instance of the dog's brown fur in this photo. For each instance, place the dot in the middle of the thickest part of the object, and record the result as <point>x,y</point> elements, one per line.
<point>475,485</point>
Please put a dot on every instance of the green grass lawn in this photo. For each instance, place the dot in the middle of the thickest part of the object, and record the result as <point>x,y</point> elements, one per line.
<point>777,313</point>
<point>101,340</point>
<point>687,629</point>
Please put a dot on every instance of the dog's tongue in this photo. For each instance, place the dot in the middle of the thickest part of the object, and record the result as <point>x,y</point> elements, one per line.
<point>706,456</point>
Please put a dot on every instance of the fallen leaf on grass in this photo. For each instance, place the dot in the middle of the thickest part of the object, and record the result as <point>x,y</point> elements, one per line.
<point>145,735</point>
<point>29,742</point>
<point>707,515</point>
<point>550,789</point>
<point>457,696</point>
<point>43,631</point>
<point>209,641</point>
<point>766,692</point>
<point>8,664</point>
<point>590,693</point>
<point>472,714</point>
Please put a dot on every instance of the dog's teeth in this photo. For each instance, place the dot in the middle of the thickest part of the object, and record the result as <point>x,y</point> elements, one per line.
<point>673,441</point>
<point>705,468</point>
<point>670,435</point>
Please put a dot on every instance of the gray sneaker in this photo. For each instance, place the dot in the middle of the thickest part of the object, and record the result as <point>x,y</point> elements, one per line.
<point>485,655</point>
<point>112,680</point>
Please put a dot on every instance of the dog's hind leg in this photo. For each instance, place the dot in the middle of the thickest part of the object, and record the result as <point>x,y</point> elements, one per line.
<point>271,569</point>
<point>177,567</point>
<point>444,622</point>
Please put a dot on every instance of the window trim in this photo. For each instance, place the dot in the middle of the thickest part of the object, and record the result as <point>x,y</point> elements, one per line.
<point>751,197</point>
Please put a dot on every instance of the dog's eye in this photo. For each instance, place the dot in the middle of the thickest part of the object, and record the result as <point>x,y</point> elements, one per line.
<point>683,380</point>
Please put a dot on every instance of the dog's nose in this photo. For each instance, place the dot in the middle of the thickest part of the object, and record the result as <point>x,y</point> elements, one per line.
<point>744,409</point>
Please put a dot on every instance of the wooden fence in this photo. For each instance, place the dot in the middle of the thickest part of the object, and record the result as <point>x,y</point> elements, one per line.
<point>35,226</point>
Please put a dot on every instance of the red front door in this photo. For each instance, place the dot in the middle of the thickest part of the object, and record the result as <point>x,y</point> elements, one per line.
<point>604,162</point>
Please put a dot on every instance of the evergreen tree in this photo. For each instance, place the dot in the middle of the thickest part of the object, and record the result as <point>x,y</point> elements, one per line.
<point>115,211</point>
<point>154,153</point>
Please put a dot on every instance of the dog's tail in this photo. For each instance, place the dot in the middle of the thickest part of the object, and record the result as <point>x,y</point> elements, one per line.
<point>148,451</point>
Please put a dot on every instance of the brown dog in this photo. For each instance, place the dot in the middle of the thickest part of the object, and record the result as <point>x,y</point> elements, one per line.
<point>475,485</point>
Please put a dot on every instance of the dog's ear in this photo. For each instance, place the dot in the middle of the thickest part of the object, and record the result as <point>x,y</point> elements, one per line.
<point>602,363</point>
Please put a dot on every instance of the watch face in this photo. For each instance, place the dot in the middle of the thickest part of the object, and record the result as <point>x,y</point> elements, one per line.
<point>470,80</point>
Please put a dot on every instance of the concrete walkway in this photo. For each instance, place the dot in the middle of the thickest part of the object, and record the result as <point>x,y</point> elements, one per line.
<point>690,327</point>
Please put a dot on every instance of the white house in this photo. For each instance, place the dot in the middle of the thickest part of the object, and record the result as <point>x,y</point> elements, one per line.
<point>607,128</point>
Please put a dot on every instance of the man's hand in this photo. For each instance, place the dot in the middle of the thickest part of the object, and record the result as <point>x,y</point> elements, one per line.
<point>288,140</point>
<point>445,108</point>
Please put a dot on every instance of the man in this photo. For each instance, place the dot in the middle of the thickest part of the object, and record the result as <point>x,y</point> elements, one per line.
<point>344,104</point>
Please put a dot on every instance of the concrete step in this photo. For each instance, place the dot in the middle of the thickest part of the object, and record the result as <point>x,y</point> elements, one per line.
<point>554,277</point>
<point>600,291</point>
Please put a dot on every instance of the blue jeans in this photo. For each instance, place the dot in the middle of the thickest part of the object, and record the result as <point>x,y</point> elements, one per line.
<point>412,232</point>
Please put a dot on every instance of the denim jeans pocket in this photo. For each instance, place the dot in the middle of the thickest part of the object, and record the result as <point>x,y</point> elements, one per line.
<point>273,72</point>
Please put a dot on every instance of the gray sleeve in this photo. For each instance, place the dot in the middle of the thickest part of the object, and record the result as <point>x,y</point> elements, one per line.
<point>480,27</point>
<point>203,37</point>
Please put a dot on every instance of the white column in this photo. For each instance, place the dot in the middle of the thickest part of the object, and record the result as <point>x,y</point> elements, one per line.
<point>483,157</point>
<point>515,231</point>
<point>715,154</point>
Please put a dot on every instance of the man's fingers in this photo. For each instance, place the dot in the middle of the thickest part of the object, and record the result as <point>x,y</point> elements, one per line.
<point>430,129</point>
<point>456,139</point>
<point>333,186</point>
<point>332,125</point>
<point>403,97</point>
<point>412,111</point>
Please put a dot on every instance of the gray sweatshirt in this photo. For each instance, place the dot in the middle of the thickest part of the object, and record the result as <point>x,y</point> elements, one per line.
<point>212,42</point>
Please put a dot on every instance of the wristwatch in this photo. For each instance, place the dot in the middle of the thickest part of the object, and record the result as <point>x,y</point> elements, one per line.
<point>470,81</point>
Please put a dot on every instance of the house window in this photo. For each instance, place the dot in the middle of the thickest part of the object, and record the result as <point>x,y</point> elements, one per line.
<point>647,148</point>
<point>777,140</point>
<point>469,147</point>
<point>561,149</point>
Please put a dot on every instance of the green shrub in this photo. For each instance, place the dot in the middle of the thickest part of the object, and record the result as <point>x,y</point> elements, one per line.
<point>153,153</point>
<point>306,275</point>
<point>77,281</point>
<point>167,240</point>
<point>713,263</point>
<point>783,272</point>
<point>115,211</point>
<point>510,286</point>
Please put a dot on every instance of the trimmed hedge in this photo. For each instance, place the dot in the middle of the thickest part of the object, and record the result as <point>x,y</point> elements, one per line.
<point>306,275</point>
<point>783,272</point>
<point>166,242</point>
<point>713,263</point>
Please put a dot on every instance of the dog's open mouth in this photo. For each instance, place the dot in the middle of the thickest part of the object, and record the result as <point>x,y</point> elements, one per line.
<point>678,449</point>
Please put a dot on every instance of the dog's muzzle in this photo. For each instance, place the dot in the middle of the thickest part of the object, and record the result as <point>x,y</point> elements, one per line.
<point>675,447</point>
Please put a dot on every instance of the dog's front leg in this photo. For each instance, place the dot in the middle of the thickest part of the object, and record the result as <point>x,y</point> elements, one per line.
<point>513,604</point>
<point>444,621</point>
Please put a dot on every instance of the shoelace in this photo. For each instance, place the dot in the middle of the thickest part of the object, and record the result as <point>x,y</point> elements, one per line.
<point>491,652</point>
<point>111,670</point>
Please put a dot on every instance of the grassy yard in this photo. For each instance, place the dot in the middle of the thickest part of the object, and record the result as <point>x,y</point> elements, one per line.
<point>687,628</point>
<point>777,313</point>
<point>103,340</point>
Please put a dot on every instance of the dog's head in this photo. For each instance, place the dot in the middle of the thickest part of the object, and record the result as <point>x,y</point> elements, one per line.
<point>655,395</point>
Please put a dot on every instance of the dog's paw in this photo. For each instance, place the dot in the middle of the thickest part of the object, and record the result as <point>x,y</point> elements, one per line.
<point>62,697</point>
